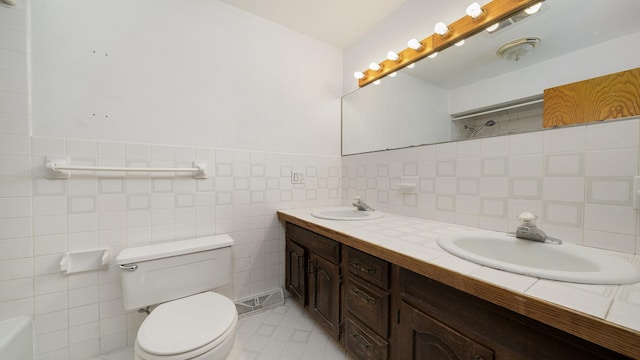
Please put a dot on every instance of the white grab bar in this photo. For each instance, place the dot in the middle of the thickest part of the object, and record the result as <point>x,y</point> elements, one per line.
<point>58,169</point>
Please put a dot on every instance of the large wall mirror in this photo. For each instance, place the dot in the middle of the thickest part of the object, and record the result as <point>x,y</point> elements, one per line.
<point>451,96</point>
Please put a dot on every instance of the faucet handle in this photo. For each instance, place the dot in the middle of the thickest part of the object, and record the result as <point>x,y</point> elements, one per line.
<point>527,219</point>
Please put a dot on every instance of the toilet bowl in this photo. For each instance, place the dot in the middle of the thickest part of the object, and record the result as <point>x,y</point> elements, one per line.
<point>191,321</point>
<point>199,327</point>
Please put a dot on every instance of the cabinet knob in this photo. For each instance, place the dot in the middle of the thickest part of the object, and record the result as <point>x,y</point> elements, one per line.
<point>478,357</point>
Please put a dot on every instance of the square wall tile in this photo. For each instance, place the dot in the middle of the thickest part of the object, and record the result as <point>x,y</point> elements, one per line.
<point>468,167</point>
<point>526,144</point>
<point>496,187</point>
<point>563,189</point>
<point>493,207</point>
<point>613,135</point>
<point>15,145</point>
<point>608,163</point>
<point>15,207</point>
<point>469,149</point>
<point>615,219</point>
<point>567,139</point>
<point>562,213</point>
<point>526,165</point>
<point>610,191</point>
<point>467,186</point>
<point>446,151</point>
<point>569,164</point>
<point>495,147</point>
<point>111,150</point>
<point>525,188</point>
<point>495,167</point>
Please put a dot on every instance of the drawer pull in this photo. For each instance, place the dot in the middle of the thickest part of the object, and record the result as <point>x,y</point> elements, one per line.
<point>367,268</point>
<point>362,295</point>
<point>360,340</point>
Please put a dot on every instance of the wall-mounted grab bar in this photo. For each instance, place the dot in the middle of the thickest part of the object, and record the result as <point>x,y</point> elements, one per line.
<point>59,169</point>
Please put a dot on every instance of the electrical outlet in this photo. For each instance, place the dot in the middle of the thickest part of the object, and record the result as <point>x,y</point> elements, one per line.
<point>297,177</point>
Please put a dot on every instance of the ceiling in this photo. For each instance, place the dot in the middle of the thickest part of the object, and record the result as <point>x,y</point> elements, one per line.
<point>335,22</point>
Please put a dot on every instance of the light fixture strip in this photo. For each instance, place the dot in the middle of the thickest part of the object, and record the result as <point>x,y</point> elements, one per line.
<point>495,11</point>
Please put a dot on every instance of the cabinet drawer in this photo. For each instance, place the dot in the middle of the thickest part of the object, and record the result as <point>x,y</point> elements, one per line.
<point>368,267</point>
<point>368,304</point>
<point>362,343</point>
<point>323,246</point>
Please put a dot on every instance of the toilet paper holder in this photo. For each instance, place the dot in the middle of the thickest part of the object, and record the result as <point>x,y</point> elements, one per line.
<point>75,262</point>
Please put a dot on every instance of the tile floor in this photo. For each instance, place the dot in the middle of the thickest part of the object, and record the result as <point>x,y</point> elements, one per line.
<point>283,333</point>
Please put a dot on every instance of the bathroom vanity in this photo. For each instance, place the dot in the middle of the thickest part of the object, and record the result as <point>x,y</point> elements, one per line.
<point>384,297</point>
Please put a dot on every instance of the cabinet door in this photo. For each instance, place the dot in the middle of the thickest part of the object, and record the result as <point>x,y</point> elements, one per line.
<point>295,274</point>
<point>422,337</point>
<point>324,293</point>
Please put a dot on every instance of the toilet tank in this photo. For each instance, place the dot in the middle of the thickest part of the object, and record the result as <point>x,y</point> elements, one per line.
<point>157,273</point>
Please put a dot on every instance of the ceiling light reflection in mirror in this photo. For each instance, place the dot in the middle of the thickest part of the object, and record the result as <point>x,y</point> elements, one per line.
<point>477,19</point>
<point>578,42</point>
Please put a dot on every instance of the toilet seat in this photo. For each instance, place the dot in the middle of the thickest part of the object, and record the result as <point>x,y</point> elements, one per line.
<point>187,327</point>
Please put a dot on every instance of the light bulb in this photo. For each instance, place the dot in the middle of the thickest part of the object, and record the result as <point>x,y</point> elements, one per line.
<point>393,56</point>
<point>374,66</point>
<point>358,75</point>
<point>493,27</point>
<point>533,9</point>
<point>460,43</point>
<point>414,44</point>
<point>393,74</point>
<point>411,66</point>
<point>474,10</point>
<point>433,55</point>
<point>377,82</point>
<point>441,29</point>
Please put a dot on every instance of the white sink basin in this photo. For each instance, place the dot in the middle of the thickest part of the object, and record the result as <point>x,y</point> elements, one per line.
<point>566,262</point>
<point>346,214</point>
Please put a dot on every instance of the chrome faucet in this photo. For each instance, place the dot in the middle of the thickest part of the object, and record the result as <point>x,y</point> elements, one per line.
<point>361,205</point>
<point>529,231</point>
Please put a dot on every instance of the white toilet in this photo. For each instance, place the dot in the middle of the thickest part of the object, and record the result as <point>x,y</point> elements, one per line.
<point>191,322</point>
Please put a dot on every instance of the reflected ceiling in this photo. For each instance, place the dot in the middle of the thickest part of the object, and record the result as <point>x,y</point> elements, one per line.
<point>567,26</point>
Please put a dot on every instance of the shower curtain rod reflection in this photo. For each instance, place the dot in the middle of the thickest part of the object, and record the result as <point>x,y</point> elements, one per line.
<point>59,169</point>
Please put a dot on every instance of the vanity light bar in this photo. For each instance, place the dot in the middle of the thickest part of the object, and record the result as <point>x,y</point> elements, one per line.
<point>467,26</point>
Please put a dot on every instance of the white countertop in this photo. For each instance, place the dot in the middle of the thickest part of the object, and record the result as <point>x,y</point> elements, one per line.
<point>416,238</point>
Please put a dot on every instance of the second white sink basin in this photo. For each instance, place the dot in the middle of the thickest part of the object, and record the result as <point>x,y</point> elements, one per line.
<point>565,262</point>
<point>346,214</point>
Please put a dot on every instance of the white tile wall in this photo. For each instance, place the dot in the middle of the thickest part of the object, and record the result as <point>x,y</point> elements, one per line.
<point>578,181</point>
<point>82,315</point>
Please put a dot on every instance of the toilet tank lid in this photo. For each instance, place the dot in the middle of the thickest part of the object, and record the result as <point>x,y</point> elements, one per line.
<point>175,248</point>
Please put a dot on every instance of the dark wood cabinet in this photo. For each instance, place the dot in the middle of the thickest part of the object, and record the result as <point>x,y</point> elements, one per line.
<point>422,337</point>
<point>324,293</point>
<point>382,311</point>
<point>295,272</point>
<point>436,321</point>
<point>313,275</point>
<point>366,305</point>
<point>362,343</point>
